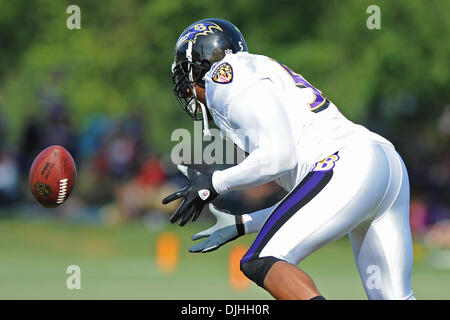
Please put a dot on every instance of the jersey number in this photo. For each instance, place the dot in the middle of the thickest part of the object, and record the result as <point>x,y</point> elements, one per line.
<point>320,102</point>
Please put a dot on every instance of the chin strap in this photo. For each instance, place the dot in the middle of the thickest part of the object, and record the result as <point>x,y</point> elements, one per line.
<point>206,131</point>
<point>193,105</point>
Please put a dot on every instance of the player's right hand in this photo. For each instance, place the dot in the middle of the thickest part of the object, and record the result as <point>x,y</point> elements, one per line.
<point>227,228</point>
<point>196,194</point>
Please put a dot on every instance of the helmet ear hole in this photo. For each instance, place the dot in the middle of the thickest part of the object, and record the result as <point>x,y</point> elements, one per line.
<point>206,65</point>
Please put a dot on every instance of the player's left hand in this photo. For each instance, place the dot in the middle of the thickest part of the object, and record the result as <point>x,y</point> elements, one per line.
<point>196,194</point>
<point>227,228</point>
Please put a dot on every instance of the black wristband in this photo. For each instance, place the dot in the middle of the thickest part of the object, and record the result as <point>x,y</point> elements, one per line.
<point>239,225</point>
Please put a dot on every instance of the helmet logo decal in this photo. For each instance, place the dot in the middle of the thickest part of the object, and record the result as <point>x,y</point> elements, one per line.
<point>200,29</point>
<point>223,73</point>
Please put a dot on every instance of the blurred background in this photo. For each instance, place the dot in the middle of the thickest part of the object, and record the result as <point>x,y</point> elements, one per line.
<point>104,92</point>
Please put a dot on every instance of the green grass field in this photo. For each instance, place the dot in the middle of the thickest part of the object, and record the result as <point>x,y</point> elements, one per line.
<point>119,263</point>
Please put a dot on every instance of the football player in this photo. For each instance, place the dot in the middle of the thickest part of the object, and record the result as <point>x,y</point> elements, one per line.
<point>341,178</point>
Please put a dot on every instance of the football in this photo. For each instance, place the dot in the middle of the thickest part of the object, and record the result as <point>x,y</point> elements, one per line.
<point>52,176</point>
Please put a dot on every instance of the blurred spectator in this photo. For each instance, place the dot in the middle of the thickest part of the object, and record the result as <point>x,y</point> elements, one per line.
<point>143,193</point>
<point>444,121</point>
<point>38,134</point>
<point>92,137</point>
<point>439,235</point>
<point>418,216</point>
<point>2,130</point>
<point>57,130</point>
<point>122,151</point>
<point>151,174</point>
<point>121,155</point>
<point>437,212</point>
<point>30,143</point>
<point>9,178</point>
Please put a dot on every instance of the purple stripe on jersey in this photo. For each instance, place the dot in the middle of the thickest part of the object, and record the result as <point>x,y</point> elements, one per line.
<point>295,198</point>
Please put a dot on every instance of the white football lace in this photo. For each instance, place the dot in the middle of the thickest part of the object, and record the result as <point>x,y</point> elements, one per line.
<point>62,191</point>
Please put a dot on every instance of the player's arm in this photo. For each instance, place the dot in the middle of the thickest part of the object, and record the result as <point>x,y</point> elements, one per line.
<point>257,110</point>
<point>229,227</point>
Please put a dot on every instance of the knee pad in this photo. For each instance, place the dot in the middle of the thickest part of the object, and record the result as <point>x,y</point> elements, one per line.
<point>256,269</point>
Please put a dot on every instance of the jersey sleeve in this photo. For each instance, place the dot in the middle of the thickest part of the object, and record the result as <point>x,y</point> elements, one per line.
<point>256,111</point>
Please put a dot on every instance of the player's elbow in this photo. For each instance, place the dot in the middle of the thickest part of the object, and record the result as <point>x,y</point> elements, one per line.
<point>287,158</point>
<point>277,165</point>
<point>290,161</point>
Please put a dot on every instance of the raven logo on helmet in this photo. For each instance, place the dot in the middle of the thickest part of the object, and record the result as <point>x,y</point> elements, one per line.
<point>200,29</point>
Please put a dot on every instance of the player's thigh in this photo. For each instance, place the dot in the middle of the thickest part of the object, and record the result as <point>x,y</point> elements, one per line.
<point>325,206</point>
<point>383,246</point>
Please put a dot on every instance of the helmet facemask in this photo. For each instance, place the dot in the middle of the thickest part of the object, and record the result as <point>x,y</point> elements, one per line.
<point>185,75</point>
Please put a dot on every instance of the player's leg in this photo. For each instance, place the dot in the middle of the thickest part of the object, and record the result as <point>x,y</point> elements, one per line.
<point>324,207</point>
<point>383,246</point>
<point>285,281</point>
<point>298,285</point>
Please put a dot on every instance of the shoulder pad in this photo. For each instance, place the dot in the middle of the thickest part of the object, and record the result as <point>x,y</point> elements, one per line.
<point>227,78</point>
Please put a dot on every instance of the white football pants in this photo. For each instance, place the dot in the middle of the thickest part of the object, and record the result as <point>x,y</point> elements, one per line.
<point>362,191</point>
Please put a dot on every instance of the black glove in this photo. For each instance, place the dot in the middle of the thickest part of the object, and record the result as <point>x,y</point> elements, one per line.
<point>196,194</point>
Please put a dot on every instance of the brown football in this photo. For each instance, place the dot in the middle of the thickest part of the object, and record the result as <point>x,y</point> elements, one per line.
<point>52,176</point>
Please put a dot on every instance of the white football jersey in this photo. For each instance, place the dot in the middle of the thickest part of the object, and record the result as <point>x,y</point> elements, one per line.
<point>283,122</point>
